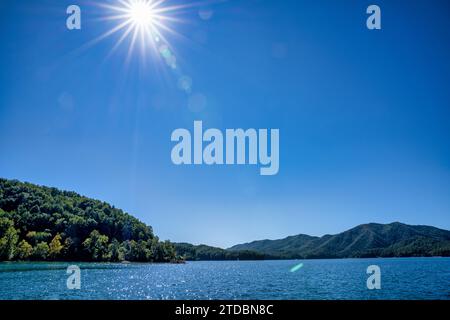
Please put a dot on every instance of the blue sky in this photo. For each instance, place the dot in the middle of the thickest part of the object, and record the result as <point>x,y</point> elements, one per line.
<point>364,116</point>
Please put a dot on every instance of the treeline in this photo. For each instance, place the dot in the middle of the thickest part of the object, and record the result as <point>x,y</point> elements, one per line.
<point>41,223</point>
<point>364,241</point>
<point>206,253</point>
<point>419,247</point>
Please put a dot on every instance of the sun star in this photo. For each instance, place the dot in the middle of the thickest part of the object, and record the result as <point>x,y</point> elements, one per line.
<point>141,22</point>
<point>141,13</point>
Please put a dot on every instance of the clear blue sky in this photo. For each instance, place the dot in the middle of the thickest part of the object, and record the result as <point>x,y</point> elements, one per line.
<point>364,116</point>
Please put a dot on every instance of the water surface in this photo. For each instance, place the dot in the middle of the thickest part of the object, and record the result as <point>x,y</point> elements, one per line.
<point>408,278</point>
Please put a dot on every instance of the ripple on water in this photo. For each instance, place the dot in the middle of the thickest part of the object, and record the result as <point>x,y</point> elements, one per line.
<point>414,278</point>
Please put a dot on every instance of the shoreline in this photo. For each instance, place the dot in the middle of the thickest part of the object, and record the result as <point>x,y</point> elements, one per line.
<point>189,261</point>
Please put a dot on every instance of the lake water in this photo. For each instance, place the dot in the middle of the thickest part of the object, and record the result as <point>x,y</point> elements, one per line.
<point>409,278</point>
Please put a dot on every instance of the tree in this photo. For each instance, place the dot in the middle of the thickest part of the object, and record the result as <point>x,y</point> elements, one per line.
<point>169,251</point>
<point>114,251</point>
<point>55,247</point>
<point>40,252</point>
<point>142,253</point>
<point>130,250</point>
<point>36,237</point>
<point>69,249</point>
<point>96,245</point>
<point>8,244</point>
<point>24,250</point>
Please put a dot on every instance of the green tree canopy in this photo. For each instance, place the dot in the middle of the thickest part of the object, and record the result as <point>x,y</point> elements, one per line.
<point>65,225</point>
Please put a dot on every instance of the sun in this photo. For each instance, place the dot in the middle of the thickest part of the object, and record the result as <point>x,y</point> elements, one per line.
<point>142,23</point>
<point>142,19</point>
<point>141,13</point>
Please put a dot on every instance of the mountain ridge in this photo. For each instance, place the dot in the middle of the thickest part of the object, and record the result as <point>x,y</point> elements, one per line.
<point>44,223</point>
<point>365,240</point>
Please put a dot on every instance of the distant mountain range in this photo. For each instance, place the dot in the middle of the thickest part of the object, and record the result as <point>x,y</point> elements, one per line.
<point>42,223</point>
<point>364,241</point>
<point>367,240</point>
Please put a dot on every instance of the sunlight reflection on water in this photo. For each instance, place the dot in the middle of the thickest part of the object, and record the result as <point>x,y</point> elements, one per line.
<point>414,278</point>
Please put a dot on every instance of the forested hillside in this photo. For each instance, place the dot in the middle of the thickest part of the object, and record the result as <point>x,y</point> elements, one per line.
<point>204,252</point>
<point>367,240</point>
<point>41,223</point>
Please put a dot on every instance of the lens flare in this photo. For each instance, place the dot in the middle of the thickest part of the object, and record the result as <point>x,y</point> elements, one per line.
<point>142,23</point>
<point>296,267</point>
